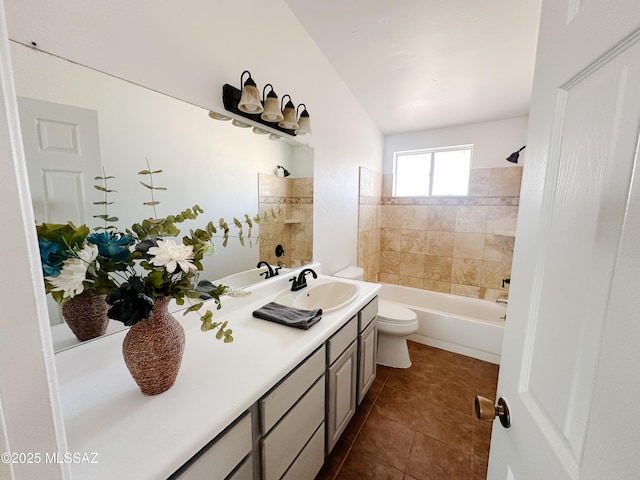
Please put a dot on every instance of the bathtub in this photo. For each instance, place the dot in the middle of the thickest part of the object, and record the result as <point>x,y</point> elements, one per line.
<point>463,325</point>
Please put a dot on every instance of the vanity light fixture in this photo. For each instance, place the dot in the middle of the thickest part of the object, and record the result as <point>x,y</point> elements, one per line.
<point>304,122</point>
<point>513,158</point>
<point>249,97</point>
<point>272,112</point>
<point>289,121</point>
<point>281,116</point>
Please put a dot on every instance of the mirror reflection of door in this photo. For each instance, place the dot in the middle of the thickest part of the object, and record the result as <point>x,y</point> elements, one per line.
<point>62,152</point>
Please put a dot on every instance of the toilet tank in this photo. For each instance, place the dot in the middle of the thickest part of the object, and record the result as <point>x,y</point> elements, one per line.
<point>351,272</point>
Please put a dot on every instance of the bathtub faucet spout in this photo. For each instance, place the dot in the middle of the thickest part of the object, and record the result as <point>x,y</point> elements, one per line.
<point>502,300</point>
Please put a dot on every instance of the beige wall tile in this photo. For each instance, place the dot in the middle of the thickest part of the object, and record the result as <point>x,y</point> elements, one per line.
<point>505,182</point>
<point>365,181</point>
<point>391,216</point>
<point>441,217</point>
<point>437,268</point>
<point>466,272</point>
<point>465,290</point>
<point>498,248</point>
<point>389,278</point>
<point>387,185</point>
<point>414,217</point>
<point>493,273</point>
<point>363,240</point>
<point>414,241</point>
<point>302,187</point>
<point>492,294</point>
<point>440,243</point>
<point>376,184</point>
<point>479,182</point>
<point>391,239</point>
<point>368,217</point>
<point>390,262</point>
<point>411,282</point>
<point>468,245</point>
<point>501,218</point>
<point>411,265</point>
<point>471,219</point>
<point>436,286</point>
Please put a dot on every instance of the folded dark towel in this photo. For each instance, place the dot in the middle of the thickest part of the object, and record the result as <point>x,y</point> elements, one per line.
<point>293,317</point>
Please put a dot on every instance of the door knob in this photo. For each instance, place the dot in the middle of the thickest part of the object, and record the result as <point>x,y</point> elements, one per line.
<point>486,410</point>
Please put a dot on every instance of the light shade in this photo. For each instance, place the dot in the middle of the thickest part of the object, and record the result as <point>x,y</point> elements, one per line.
<point>304,122</point>
<point>289,113</point>
<point>250,97</point>
<point>272,111</point>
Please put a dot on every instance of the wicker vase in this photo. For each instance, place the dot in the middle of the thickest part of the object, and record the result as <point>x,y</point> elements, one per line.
<point>86,315</point>
<point>153,349</point>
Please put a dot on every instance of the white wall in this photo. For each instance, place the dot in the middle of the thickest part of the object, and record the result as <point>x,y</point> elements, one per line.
<point>492,142</point>
<point>189,49</point>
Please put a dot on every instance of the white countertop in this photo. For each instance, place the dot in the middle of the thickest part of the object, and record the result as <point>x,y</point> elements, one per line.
<point>139,437</point>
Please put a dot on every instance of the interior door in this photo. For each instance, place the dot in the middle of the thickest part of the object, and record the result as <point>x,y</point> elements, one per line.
<point>570,351</point>
<point>62,152</point>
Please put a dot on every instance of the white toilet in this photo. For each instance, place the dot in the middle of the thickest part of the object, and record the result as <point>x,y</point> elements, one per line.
<point>394,321</point>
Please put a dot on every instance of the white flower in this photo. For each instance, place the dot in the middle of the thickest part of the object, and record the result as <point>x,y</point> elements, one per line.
<point>169,254</point>
<point>74,272</point>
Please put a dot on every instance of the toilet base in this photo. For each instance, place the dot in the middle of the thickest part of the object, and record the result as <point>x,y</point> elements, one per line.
<point>393,351</point>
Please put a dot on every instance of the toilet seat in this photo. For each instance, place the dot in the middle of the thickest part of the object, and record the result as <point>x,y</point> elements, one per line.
<point>392,312</point>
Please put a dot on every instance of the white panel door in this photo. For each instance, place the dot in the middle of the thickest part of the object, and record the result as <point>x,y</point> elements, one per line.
<point>62,152</point>
<point>577,250</point>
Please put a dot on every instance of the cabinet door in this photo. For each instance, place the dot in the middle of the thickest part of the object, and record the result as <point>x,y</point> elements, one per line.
<point>341,394</point>
<point>367,350</point>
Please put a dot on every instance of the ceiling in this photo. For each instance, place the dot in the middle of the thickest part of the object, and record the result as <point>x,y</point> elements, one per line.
<point>424,64</point>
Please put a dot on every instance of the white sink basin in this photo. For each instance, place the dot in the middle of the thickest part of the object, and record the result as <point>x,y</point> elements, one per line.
<point>328,296</point>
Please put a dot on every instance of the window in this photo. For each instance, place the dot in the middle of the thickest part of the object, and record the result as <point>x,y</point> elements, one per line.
<point>438,171</point>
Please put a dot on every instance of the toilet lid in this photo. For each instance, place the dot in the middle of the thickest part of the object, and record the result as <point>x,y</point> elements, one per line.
<point>392,312</point>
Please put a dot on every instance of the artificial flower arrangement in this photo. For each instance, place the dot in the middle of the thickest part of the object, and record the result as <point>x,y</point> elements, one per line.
<point>136,267</point>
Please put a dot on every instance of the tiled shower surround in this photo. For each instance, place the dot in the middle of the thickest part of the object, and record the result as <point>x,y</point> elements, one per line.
<point>447,244</point>
<point>293,228</point>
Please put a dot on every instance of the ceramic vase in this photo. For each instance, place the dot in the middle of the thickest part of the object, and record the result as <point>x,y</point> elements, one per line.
<point>86,315</point>
<point>153,349</point>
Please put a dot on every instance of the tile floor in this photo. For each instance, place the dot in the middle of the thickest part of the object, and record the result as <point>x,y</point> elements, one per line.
<point>418,423</point>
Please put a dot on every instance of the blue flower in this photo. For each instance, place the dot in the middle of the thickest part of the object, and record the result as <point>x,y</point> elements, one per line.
<point>113,246</point>
<point>52,255</point>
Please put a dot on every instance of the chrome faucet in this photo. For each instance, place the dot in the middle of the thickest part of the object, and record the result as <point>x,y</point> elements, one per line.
<point>270,271</point>
<point>301,281</point>
<point>502,300</point>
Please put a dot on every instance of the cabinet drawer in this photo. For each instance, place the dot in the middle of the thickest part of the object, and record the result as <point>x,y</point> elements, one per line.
<point>244,471</point>
<point>341,340</point>
<point>310,460</point>
<point>282,397</point>
<point>367,314</point>
<point>285,441</point>
<point>223,455</point>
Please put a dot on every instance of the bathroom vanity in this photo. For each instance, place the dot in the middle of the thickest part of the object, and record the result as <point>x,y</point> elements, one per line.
<point>270,405</point>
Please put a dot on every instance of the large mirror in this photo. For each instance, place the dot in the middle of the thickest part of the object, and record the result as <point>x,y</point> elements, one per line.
<point>107,124</point>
